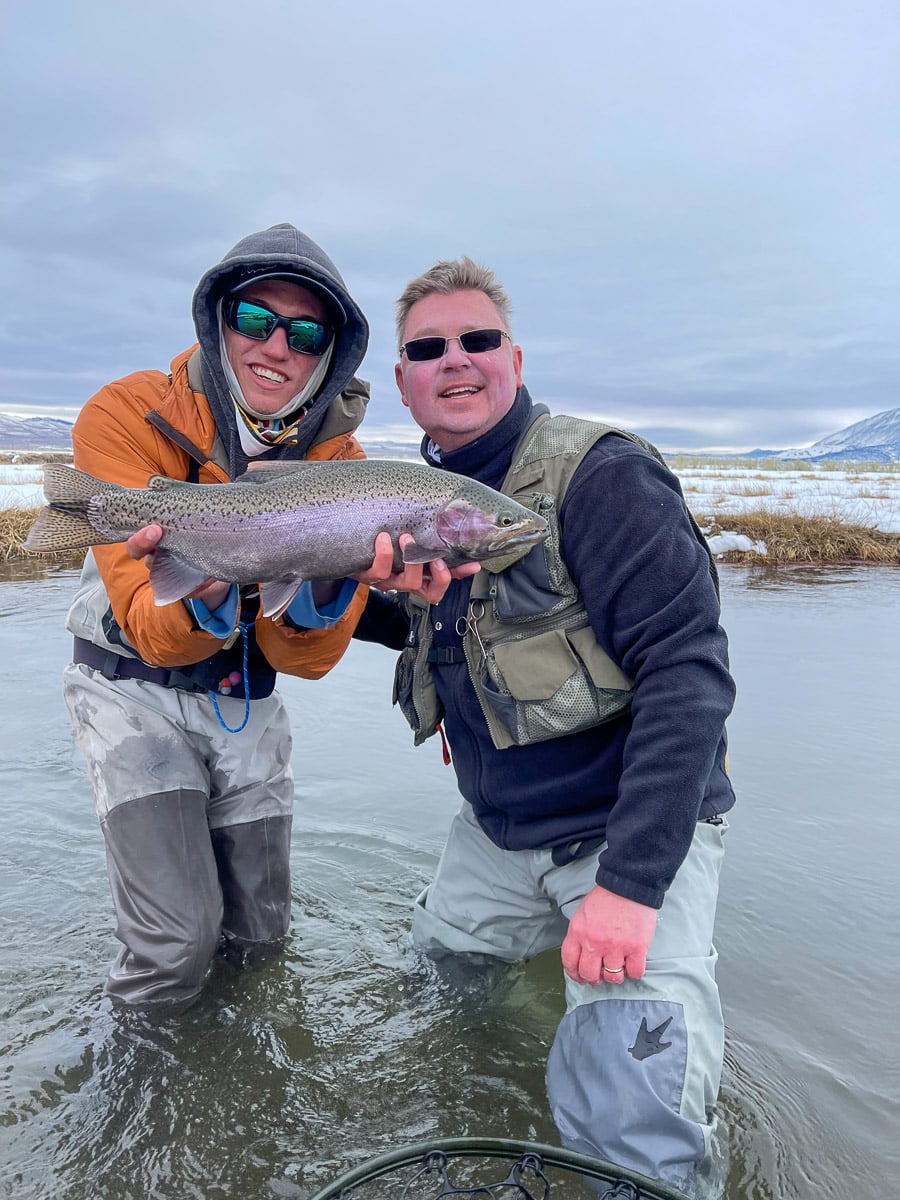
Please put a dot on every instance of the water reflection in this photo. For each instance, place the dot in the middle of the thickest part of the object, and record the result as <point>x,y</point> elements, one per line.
<point>351,1045</point>
<point>34,567</point>
<point>799,576</point>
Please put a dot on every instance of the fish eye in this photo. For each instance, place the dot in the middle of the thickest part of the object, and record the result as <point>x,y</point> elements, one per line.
<point>506,519</point>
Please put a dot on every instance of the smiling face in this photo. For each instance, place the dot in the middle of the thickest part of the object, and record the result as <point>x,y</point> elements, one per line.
<point>458,397</point>
<point>270,373</point>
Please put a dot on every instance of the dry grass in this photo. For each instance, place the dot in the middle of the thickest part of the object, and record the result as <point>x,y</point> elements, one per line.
<point>35,456</point>
<point>14,526</point>
<point>837,464</point>
<point>791,538</point>
<point>750,489</point>
<point>693,462</point>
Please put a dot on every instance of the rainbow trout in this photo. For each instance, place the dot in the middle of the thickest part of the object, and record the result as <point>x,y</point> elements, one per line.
<point>283,523</point>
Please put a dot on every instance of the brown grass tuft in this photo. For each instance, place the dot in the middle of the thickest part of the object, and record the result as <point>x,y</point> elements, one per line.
<point>791,538</point>
<point>14,526</point>
<point>750,489</point>
<point>35,456</point>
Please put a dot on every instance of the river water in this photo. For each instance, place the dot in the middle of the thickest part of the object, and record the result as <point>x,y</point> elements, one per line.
<point>350,1046</point>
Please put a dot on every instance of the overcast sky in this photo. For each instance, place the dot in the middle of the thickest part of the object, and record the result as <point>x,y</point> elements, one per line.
<point>694,205</point>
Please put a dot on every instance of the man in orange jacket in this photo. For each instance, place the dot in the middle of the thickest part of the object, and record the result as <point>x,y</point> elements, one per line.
<point>196,807</point>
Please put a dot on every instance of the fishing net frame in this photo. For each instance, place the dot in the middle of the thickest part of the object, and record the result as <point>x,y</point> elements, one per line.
<point>524,1164</point>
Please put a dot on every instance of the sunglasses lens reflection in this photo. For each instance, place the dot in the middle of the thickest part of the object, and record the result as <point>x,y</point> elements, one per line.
<point>253,321</point>
<point>309,337</point>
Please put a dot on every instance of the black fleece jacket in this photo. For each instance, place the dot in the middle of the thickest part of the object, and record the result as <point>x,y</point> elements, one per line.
<point>643,780</point>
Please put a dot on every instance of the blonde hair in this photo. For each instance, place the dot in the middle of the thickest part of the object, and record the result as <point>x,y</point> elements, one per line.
<point>453,275</point>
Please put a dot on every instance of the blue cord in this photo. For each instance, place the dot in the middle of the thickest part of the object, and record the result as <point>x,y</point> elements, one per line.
<point>243,628</point>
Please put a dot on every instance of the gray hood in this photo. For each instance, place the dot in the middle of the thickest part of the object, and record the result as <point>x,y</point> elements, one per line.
<point>279,250</point>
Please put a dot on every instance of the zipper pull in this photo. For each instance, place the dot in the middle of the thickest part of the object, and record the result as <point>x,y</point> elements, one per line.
<point>232,637</point>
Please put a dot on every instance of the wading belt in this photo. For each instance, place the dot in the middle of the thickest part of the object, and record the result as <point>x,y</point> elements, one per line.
<point>117,666</point>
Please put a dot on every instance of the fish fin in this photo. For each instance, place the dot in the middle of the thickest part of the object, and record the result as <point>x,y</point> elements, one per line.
<point>69,484</point>
<point>56,529</point>
<point>265,472</point>
<point>172,579</point>
<point>165,481</point>
<point>495,565</point>
<point>276,595</point>
<point>414,553</point>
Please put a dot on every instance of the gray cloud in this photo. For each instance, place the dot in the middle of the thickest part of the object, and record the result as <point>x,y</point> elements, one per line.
<point>693,206</point>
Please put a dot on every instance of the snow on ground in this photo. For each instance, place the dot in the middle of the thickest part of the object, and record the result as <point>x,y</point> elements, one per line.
<point>20,486</point>
<point>870,498</point>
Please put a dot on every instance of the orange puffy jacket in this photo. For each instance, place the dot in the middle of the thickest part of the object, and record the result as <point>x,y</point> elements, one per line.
<point>130,430</point>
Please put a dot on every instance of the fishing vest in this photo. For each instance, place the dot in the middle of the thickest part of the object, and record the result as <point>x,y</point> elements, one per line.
<point>533,660</point>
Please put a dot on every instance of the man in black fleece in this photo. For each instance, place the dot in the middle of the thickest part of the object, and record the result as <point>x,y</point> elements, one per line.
<point>584,692</point>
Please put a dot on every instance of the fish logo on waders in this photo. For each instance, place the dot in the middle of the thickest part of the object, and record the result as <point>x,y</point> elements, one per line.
<point>649,1041</point>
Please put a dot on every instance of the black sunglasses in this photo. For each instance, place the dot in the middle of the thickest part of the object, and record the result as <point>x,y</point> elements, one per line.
<point>304,335</point>
<point>476,341</point>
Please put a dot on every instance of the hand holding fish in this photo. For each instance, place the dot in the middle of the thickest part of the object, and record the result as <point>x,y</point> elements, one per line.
<point>212,593</point>
<point>428,580</point>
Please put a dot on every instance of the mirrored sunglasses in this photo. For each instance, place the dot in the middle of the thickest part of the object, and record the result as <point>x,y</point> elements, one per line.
<point>476,341</point>
<point>304,335</point>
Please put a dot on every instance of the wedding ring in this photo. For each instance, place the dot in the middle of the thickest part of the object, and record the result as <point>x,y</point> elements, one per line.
<point>613,970</point>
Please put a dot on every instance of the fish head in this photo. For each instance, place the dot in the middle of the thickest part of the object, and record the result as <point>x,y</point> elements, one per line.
<point>476,531</point>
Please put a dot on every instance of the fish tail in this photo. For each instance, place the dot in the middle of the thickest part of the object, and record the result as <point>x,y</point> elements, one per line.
<point>60,529</point>
<point>63,524</point>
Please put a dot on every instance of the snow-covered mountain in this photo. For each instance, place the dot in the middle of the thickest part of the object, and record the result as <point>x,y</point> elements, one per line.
<point>877,439</point>
<point>34,433</point>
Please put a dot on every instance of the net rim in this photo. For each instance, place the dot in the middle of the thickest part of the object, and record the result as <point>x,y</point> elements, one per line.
<point>414,1153</point>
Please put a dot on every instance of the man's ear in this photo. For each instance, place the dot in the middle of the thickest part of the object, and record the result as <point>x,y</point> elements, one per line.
<point>517,363</point>
<point>398,375</point>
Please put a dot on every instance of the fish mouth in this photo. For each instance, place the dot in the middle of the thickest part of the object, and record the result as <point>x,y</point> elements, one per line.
<point>523,533</point>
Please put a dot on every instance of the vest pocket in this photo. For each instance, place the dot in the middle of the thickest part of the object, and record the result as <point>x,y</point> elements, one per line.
<point>535,668</point>
<point>417,698</point>
<point>403,686</point>
<point>540,687</point>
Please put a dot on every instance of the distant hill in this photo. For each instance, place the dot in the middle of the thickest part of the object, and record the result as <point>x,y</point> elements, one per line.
<point>877,439</point>
<point>34,433</point>
<point>50,433</point>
